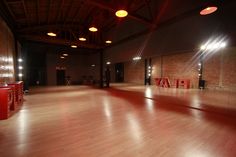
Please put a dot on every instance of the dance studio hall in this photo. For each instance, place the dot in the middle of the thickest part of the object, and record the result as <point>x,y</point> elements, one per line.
<point>117,78</point>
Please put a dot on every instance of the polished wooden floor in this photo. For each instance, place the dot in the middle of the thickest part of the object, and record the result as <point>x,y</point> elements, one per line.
<point>121,121</point>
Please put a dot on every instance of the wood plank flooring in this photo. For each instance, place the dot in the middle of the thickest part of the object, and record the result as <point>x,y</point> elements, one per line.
<point>121,121</point>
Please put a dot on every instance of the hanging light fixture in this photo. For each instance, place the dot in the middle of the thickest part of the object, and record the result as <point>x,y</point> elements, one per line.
<point>73,46</point>
<point>51,34</point>
<point>208,10</point>
<point>121,13</point>
<point>108,41</point>
<point>82,39</point>
<point>93,29</point>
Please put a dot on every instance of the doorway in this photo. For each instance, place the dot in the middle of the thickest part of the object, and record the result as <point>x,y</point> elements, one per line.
<point>60,77</point>
<point>119,72</point>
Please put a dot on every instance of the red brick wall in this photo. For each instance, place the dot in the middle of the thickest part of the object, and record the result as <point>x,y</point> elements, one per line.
<point>220,69</point>
<point>181,66</point>
<point>134,72</point>
<point>156,68</point>
<point>7,54</point>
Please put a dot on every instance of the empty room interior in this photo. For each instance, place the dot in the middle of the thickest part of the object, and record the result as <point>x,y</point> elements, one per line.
<point>117,78</point>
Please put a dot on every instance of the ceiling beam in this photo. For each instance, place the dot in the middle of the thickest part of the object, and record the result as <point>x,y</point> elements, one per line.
<point>48,26</point>
<point>49,8</point>
<point>77,13</point>
<point>26,12</point>
<point>110,8</point>
<point>52,40</point>
<point>59,11</point>
<point>149,9</point>
<point>68,11</point>
<point>37,11</point>
<point>112,23</point>
<point>10,11</point>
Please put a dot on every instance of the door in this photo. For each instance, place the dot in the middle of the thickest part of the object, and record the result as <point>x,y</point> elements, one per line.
<point>60,77</point>
<point>119,72</point>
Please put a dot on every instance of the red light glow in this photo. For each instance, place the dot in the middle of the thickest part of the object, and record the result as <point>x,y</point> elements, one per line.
<point>208,10</point>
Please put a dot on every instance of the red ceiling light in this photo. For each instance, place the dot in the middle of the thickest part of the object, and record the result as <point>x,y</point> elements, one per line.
<point>121,13</point>
<point>208,10</point>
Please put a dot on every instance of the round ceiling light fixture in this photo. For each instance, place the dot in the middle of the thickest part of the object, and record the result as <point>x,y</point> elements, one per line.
<point>82,39</point>
<point>73,46</point>
<point>108,41</point>
<point>121,13</point>
<point>208,10</point>
<point>93,29</point>
<point>51,34</point>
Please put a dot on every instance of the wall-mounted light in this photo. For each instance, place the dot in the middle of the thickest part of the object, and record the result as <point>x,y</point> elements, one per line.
<point>65,54</point>
<point>149,71</point>
<point>62,57</point>
<point>213,46</point>
<point>6,75</point>
<point>93,65</point>
<point>137,58</point>
<point>20,60</point>
<point>20,67</point>
<point>20,74</point>
<point>108,63</point>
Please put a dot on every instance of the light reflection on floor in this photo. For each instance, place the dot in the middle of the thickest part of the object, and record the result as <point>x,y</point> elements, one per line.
<point>126,120</point>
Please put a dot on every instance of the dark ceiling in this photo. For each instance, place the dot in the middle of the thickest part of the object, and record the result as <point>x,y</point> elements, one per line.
<point>70,19</point>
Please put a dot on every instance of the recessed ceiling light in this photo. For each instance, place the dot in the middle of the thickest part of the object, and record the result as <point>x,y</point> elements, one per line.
<point>65,54</point>
<point>208,10</point>
<point>121,13</point>
<point>62,57</point>
<point>108,63</point>
<point>51,34</point>
<point>93,29</point>
<point>82,39</point>
<point>93,65</point>
<point>73,46</point>
<point>108,41</point>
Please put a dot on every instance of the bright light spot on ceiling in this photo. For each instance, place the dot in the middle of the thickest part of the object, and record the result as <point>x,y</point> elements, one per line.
<point>208,10</point>
<point>82,39</point>
<point>73,46</point>
<point>121,13</point>
<point>108,41</point>
<point>93,29</point>
<point>51,34</point>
